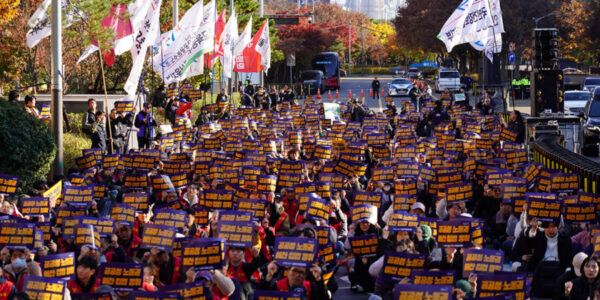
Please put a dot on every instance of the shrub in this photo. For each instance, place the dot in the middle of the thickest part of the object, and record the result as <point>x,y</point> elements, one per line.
<point>73,143</point>
<point>27,148</point>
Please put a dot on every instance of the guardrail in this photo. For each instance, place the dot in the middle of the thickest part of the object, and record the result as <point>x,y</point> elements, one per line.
<point>548,151</point>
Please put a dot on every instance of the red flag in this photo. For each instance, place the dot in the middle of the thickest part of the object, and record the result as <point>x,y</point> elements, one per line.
<point>318,93</point>
<point>337,94</point>
<point>219,29</point>
<point>119,24</point>
<point>250,60</point>
<point>329,95</point>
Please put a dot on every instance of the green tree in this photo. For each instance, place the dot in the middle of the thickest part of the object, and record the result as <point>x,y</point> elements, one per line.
<point>26,145</point>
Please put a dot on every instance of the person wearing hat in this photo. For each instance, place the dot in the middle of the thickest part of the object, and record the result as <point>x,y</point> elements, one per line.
<point>145,122</point>
<point>306,282</point>
<point>357,112</point>
<point>360,279</point>
<point>465,289</point>
<point>424,241</point>
<point>565,281</point>
<point>203,117</point>
<point>186,104</point>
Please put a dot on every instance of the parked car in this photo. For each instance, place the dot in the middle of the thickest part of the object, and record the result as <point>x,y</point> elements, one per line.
<point>399,87</point>
<point>591,127</point>
<point>311,81</point>
<point>591,83</point>
<point>447,79</point>
<point>575,101</point>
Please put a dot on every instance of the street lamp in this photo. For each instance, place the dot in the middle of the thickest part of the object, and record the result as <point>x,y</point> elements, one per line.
<point>536,20</point>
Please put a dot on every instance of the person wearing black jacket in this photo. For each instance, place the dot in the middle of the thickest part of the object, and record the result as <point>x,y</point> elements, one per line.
<point>375,85</point>
<point>274,98</point>
<point>99,136</point>
<point>358,112</point>
<point>414,95</point>
<point>159,99</point>
<point>516,125</point>
<point>289,95</point>
<point>534,243</point>
<point>118,128</point>
<point>203,117</point>
<point>88,123</point>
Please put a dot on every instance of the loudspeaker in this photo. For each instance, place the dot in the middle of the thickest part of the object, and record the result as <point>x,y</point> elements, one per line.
<point>547,92</point>
<point>545,48</point>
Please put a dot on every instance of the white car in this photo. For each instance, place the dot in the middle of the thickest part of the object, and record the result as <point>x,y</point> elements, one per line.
<point>575,101</point>
<point>399,87</point>
<point>447,79</point>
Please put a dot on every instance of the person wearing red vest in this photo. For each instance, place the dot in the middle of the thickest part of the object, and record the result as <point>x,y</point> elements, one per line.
<point>242,271</point>
<point>7,288</point>
<point>313,289</point>
<point>278,218</point>
<point>127,240</point>
<point>86,280</point>
<point>189,199</point>
<point>20,266</point>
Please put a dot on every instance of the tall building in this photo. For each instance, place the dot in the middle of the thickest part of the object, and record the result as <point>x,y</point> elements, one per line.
<point>375,9</point>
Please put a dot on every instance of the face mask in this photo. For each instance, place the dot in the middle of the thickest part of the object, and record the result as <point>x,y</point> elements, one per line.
<point>18,263</point>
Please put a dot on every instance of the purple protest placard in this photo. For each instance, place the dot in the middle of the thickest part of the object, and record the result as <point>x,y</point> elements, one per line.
<point>295,252</point>
<point>255,206</point>
<point>501,283</point>
<point>318,209</point>
<point>364,245</point>
<point>454,233</point>
<point>218,199</point>
<point>35,206</point>
<point>579,213</point>
<point>143,295</point>
<point>278,295</point>
<point>122,277</point>
<point>38,287</point>
<point>236,234</point>
<point>397,265</point>
<point>371,198</point>
<point>482,261</point>
<point>235,216</point>
<point>403,221</point>
<point>158,236</point>
<point>203,254</point>
<point>170,217</point>
<point>61,265</point>
<point>422,292</point>
<point>190,291</point>
<point>81,196</point>
<point>433,277</point>
<point>364,213</point>
<point>123,213</point>
<point>17,235</point>
<point>87,235</point>
<point>544,207</point>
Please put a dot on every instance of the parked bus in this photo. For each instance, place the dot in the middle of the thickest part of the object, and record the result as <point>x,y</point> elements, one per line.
<point>329,64</point>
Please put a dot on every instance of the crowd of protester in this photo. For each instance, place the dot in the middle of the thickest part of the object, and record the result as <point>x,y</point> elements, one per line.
<point>275,129</point>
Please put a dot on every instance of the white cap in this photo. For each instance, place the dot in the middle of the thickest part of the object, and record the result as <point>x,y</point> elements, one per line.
<point>577,261</point>
<point>418,205</point>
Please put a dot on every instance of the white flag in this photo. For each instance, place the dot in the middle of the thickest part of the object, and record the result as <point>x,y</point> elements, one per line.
<point>180,45</point>
<point>40,25</point>
<point>230,35</point>
<point>469,23</point>
<point>494,32</point>
<point>243,40</point>
<point>195,65</point>
<point>144,35</point>
<point>263,46</point>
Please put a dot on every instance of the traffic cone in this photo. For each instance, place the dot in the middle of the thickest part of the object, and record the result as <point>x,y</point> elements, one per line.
<point>329,95</point>
<point>370,93</point>
<point>337,94</point>
<point>349,94</point>
<point>362,93</point>
<point>318,93</point>
<point>381,94</point>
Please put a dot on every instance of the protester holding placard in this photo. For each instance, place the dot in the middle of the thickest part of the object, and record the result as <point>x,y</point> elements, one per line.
<point>359,279</point>
<point>20,266</point>
<point>86,280</point>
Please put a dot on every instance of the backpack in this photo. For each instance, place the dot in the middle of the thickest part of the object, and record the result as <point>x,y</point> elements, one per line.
<point>544,277</point>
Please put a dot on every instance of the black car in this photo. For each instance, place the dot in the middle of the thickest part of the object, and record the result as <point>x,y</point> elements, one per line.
<point>311,81</point>
<point>591,128</point>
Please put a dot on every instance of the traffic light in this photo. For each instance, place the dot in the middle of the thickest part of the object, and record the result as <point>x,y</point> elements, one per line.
<point>545,48</point>
<point>547,91</point>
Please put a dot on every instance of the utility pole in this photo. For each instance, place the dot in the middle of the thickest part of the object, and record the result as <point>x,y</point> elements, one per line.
<point>349,47</point>
<point>57,86</point>
<point>175,13</point>
<point>262,14</point>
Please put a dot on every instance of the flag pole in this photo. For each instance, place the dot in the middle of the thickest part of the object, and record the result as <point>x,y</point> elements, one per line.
<point>105,99</point>
<point>212,73</point>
